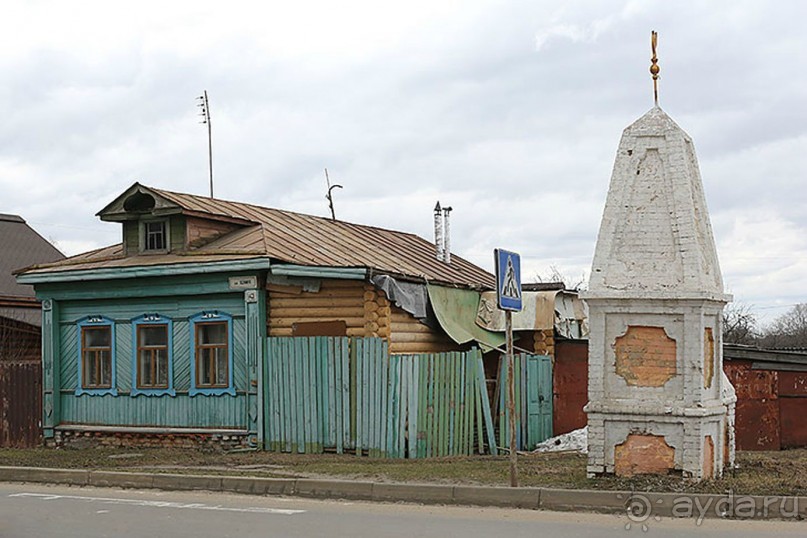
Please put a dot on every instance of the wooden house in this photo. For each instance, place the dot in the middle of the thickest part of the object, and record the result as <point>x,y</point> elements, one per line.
<point>159,339</point>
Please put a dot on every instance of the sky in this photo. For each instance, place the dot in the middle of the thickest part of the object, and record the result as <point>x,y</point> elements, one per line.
<point>510,112</point>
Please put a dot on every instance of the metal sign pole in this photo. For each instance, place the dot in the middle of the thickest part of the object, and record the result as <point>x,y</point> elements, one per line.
<point>511,398</point>
<point>508,298</point>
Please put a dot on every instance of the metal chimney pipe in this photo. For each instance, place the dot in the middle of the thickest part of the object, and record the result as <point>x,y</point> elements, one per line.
<point>438,231</point>
<point>446,236</point>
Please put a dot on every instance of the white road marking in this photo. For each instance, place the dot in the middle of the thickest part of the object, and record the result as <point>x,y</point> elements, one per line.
<point>160,504</point>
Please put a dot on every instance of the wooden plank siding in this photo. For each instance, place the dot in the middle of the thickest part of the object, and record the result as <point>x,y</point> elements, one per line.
<point>365,310</point>
<point>199,231</point>
<point>131,237</point>
<point>182,411</point>
<point>161,411</point>
<point>176,235</point>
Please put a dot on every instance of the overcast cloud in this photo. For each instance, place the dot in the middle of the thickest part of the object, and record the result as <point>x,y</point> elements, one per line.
<point>508,111</point>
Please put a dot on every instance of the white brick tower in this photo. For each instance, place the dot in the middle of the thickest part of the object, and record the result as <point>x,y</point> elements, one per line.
<point>658,399</point>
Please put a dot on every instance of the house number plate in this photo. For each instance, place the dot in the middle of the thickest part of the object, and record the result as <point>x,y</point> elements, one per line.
<point>243,282</point>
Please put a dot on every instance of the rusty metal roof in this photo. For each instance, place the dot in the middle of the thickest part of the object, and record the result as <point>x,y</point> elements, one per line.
<point>296,238</point>
<point>21,246</point>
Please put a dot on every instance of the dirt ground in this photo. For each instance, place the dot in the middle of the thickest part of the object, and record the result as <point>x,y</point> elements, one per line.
<point>757,473</point>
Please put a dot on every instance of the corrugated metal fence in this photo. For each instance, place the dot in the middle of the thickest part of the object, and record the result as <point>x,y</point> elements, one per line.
<point>352,395</point>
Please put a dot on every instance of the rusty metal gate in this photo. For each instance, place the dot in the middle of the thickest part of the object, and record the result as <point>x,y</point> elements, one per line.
<point>20,384</point>
<point>20,403</point>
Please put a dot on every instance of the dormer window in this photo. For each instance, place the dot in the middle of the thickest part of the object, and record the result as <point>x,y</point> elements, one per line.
<point>154,236</point>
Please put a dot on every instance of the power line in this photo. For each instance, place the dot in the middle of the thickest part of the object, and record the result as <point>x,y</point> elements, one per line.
<point>775,306</point>
<point>62,225</point>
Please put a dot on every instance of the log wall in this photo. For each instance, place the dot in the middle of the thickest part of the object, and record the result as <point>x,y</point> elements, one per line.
<point>336,300</point>
<point>365,310</point>
<point>411,336</point>
<point>544,342</point>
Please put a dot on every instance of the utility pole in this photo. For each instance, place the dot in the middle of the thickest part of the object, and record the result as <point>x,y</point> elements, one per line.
<point>204,104</point>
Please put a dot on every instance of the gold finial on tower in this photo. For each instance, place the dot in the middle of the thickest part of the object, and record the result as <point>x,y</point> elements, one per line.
<point>654,68</point>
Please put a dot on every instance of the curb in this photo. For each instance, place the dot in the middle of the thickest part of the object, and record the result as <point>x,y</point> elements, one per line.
<point>637,506</point>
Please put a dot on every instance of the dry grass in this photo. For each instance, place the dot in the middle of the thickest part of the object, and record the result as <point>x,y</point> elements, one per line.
<point>759,473</point>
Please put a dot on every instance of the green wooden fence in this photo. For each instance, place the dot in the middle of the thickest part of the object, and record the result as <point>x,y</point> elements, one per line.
<point>533,383</point>
<point>351,395</point>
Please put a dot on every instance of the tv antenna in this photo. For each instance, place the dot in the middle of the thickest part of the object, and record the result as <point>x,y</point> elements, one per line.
<point>329,196</point>
<point>204,105</point>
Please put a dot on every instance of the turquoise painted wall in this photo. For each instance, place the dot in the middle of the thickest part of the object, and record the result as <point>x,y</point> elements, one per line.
<point>122,301</point>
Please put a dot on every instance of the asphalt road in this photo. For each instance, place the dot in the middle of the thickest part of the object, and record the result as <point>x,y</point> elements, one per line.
<point>28,510</point>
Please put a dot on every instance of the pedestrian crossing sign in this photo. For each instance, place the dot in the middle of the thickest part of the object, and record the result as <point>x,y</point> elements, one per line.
<point>508,280</point>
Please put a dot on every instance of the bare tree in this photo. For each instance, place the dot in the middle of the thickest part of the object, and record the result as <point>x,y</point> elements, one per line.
<point>556,275</point>
<point>789,329</point>
<point>739,324</point>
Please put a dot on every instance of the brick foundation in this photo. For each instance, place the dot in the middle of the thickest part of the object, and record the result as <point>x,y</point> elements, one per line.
<point>99,439</point>
<point>645,356</point>
<point>708,357</point>
<point>643,454</point>
<point>708,457</point>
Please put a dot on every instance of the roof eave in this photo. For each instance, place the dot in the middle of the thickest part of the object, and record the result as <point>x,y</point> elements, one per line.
<point>311,271</point>
<point>141,271</point>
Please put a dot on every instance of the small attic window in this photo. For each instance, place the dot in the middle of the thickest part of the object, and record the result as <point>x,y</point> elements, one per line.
<point>154,236</point>
<point>139,202</point>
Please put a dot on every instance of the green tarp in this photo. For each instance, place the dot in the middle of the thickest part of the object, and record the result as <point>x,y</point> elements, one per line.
<point>456,311</point>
